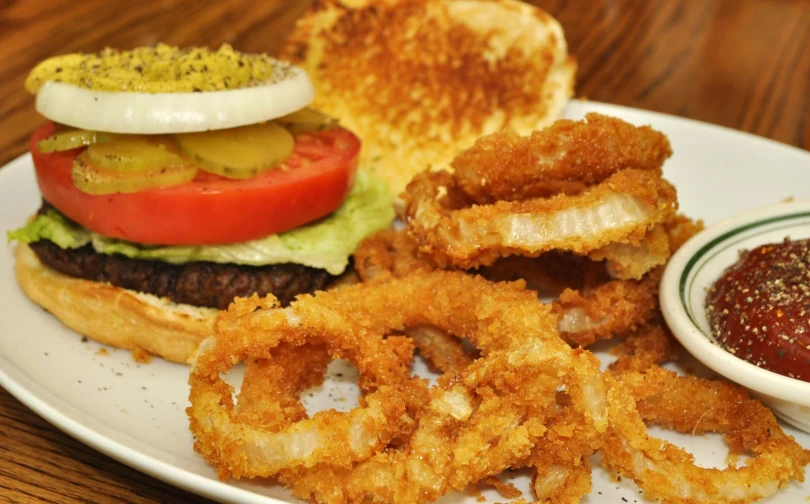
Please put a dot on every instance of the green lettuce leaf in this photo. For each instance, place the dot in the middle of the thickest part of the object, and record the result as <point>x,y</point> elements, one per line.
<point>327,243</point>
<point>55,227</point>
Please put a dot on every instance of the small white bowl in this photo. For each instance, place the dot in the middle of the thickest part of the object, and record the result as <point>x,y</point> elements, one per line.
<point>696,266</point>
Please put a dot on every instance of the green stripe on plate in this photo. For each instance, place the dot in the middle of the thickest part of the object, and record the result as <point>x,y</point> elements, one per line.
<point>711,245</point>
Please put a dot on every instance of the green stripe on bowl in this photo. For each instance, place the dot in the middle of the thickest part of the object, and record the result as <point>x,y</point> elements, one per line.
<point>711,246</point>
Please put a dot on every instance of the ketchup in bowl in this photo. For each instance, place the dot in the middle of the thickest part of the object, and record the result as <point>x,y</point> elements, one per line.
<point>759,309</point>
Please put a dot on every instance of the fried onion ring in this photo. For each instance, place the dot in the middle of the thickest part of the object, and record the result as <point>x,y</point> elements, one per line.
<point>566,157</point>
<point>270,388</point>
<point>562,471</point>
<point>349,327</point>
<point>626,261</point>
<point>561,484</point>
<point>690,404</point>
<point>240,448</point>
<point>621,209</point>
<point>594,308</point>
<point>437,465</point>
<point>650,345</point>
<point>389,254</point>
<point>478,423</point>
<point>603,311</point>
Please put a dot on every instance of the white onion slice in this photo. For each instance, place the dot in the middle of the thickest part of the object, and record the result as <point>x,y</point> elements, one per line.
<point>154,113</point>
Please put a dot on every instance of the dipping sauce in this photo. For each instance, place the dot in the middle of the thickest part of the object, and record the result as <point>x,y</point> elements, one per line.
<point>759,309</point>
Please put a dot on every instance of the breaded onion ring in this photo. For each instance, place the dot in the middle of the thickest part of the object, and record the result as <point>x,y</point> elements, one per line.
<point>388,254</point>
<point>349,322</point>
<point>626,261</point>
<point>561,484</point>
<point>481,422</point>
<point>562,471</point>
<point>238,447</point>
<point>608,309</point>
<point>393,253</point>
<point>690,404</point>
<point>432,463</point>
<point>565,157</point>
<point>621,209</point>
<point>270,388</point>
<point>650,345</point>
<point>594,308</point>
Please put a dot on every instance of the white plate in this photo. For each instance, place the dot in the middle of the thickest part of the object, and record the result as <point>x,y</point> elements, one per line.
<point>134,413</point>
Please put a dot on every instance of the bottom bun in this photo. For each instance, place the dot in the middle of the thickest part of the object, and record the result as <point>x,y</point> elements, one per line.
<point>114,316</point>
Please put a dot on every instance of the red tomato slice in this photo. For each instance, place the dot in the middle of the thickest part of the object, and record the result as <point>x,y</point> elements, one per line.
<point>210,209</point>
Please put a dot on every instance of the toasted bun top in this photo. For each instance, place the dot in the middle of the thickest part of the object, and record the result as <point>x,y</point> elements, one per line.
<point>420,80</point>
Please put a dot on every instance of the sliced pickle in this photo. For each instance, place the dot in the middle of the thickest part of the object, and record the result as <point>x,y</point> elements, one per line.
<point>71,139</point>
<point>134,154</point>
<point>93,179</point>
<point>238,153</point>
<point>307,120</point>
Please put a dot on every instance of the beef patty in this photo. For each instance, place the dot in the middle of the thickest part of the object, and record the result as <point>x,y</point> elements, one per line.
<point>200,283</point>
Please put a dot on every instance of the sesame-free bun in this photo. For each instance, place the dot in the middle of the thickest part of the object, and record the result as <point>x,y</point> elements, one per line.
<point>420,80</point>
<point>114,316</point>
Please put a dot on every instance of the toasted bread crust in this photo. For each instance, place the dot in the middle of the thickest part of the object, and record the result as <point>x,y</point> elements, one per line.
<point>115,316</point>
<point>420,80</point>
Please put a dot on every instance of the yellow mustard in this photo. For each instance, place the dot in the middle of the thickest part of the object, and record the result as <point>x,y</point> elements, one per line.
<point>159,69</point>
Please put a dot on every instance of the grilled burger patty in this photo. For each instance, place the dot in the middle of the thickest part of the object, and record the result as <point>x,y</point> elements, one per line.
<point>204,284</point>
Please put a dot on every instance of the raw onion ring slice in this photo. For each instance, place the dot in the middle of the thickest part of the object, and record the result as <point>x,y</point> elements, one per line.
<point>156,113</point>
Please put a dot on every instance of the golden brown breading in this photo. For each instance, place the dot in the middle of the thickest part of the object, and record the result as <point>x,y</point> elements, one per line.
<point>621,209</point>
<point>565,157</point>
<point>420,80</point>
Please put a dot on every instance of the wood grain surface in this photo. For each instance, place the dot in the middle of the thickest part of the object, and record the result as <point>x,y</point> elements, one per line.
<point>744,64</point>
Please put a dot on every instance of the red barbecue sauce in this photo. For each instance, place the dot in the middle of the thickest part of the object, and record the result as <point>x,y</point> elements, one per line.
<point>759,308</point>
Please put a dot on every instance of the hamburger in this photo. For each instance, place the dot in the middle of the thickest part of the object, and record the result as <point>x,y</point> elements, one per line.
<point>174,180</point>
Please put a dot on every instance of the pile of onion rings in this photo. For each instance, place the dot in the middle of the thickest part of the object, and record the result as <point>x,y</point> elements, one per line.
<point>519,387</point>
<point>514,384</point>
<point>592,187</point>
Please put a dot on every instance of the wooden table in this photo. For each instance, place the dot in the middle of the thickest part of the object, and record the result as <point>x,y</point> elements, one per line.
<point>738,63</point>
